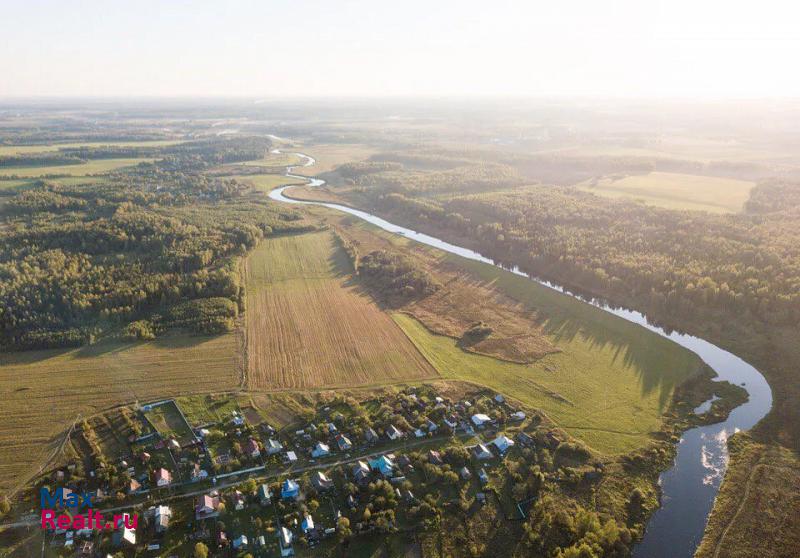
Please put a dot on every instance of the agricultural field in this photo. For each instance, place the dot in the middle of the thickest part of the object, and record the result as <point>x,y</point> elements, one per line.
<point>610,384</point>
<point>330,156</point>
<point>308,326</point>
<point>676,191</point>
<point>45,391</point>
<point>275,160</point>
<point>97,166</point>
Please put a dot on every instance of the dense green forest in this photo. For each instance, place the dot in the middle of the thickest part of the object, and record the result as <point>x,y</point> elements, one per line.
<point>159,245</point>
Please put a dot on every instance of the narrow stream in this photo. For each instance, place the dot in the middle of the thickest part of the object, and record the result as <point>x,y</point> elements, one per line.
<point>690,486</point>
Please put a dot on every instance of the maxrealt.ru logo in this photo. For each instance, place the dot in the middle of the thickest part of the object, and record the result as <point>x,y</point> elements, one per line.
<point>75,502</point>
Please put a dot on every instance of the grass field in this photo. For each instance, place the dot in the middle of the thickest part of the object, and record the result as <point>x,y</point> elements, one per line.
<point>167,420</point>
<point>756,511</point>
<point>97,166</point>
<point>609,386</point>
<point>25,149</point>
<point>43,392</point>
<point>676,191</point>
<point>308,327</point>
<point>275,160</point>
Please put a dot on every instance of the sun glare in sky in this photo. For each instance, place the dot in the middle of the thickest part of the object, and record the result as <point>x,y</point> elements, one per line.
<point>629,48</point>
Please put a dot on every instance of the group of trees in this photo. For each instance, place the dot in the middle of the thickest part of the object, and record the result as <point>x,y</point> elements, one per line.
<point>681,262</point>
<point>157,244</point>
<point>395,276</point>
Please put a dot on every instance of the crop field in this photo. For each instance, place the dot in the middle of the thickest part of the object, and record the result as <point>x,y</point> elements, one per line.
<point>676,191</point>
<point>43,392</point>
<point>97,166</point>
<point>309,327</point>
<point>49,148</point>
<point>610,384</point>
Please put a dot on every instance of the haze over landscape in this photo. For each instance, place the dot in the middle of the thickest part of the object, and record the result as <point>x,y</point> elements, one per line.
<point>448,279</point>
<point>280,48</point>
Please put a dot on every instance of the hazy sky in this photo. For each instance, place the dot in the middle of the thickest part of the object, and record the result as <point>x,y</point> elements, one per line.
<point>266,48</point>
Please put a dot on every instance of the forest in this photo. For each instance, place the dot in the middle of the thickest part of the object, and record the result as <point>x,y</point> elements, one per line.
<point>158,245</point>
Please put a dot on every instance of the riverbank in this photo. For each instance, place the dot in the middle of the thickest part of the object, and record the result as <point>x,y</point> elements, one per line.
<point>689,490</point>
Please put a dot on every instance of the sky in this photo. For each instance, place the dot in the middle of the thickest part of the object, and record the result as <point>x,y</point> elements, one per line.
<point>359,48</point>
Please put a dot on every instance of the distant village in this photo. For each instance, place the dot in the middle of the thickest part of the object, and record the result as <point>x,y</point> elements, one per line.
<point>235,488</point>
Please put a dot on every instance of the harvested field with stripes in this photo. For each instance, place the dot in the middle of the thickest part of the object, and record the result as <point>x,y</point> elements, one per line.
<point>310,326</point>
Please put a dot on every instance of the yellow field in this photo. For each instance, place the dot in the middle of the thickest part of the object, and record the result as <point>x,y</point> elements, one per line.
<point>330,156</point>
<point>676,191</point>
<point>91,167</point>
<point>43,392</point>
<point>308,327</point>
<point>24,149</point>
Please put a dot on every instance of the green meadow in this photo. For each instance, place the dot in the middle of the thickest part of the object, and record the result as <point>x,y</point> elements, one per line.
<point>610,384</point>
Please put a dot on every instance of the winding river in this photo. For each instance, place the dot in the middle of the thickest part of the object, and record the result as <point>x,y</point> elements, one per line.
<point>690,486</point>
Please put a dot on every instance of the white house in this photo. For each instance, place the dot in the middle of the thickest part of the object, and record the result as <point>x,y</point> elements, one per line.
<point>480,420</point>
<point>393,432</point>
<point>273,447</point>
<point>320,450</point>
<point>502,443</point>
<point>285,537</point>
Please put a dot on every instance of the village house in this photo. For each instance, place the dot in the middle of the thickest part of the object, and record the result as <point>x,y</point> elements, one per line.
<point>264,495</point>
<point>198,473</point>
<point>483,477</point>
<point>252,449</point>
<point>481,452</point>
<point>124,536</point>
<point>273,447</point>
<point>307,525</point>
<point>207,506</point>
<point>517,416</point>
<point>290,490</point>
<point>451,422</point>
<point>383,465</point>
<point>134,486</point>
<point>393,432</point>
<point>480,420</point>
<point>163,477</point>
<point>240,542</point>
<point>291,457</point>
<point>361,472</point>
<point>320,450</point>
<point>435,457</point>
<point>464,473</point>
<point>370,435</point>
<point>238,501</point>
<point>503,444</point>
<point>343,442</point>
<point>285,541</point>
<point>161,516</point>
<point>321,482</point>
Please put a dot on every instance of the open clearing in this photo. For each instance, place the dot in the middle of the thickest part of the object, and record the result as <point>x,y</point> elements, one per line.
<point>97,166</point>
<point>309,327</point>
<point>330,156</point>
<point>676,191</point>
<point>43,392</point>
<point>609,386</point>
